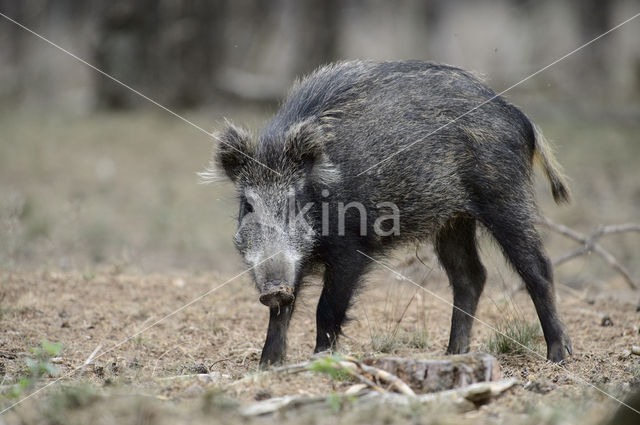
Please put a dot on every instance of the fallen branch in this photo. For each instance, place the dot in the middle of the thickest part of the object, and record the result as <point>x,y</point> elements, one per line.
<point>464,399</point>
<point>590,244</point>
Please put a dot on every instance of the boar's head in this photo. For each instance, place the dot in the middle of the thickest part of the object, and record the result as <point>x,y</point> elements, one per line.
<point>279,178</point>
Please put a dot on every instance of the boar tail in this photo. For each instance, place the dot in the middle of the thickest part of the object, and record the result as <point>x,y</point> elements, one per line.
<point>543,154</point>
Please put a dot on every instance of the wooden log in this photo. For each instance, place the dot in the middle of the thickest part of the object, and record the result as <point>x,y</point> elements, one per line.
<point>439,374</point>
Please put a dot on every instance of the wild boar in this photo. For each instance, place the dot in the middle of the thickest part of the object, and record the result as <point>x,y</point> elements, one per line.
<point>365,156</point>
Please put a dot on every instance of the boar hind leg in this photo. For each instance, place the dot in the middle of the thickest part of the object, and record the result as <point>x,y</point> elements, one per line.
<point>341,280</point>
<point>276,344</point>
<point>456,249</point>
<point>513,229</point>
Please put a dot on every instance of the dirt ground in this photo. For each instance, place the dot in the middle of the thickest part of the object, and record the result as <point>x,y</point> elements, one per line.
<point>223,333</point>
<point>104,231</point>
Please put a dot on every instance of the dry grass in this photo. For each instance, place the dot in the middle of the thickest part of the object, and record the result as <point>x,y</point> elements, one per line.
<point>515,337</point>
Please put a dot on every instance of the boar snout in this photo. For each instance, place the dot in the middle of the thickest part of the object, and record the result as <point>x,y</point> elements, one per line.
<point>277,293</point>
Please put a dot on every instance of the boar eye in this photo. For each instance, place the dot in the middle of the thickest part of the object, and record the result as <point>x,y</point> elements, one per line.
<point>245,208</point>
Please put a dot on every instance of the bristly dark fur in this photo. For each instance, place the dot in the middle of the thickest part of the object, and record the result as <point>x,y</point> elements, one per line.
<point>346,117</point>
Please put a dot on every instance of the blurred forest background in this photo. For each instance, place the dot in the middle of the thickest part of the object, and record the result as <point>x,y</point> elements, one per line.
<point>188,53</point>
<point>92,174</point>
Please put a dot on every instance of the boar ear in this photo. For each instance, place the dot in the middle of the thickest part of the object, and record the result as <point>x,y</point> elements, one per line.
<point>232,153</point>
<point>305,146</point>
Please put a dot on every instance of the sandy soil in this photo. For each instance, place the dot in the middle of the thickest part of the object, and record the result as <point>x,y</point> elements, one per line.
<point>223,331</point>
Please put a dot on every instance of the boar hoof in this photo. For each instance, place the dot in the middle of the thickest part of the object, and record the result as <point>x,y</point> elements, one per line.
<point>557,352</point>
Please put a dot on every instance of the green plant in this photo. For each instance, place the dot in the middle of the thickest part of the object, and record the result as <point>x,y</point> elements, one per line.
<point>39,365</point>
<point>515,336</point>
<point>330,365</point>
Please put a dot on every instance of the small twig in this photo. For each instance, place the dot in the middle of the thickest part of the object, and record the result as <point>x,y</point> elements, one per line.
<point>92,355</point>
<point>219,361</point>
<point>90,358</point>
<point>153,372</point>
<point>589,244</point>
<point>404,312</point>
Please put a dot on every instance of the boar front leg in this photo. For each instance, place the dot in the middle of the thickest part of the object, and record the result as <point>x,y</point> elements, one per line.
<point>341,280</point>
<point>275,346</point>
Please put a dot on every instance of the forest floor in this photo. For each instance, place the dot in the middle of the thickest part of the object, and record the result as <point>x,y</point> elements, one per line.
<point>153,374</point>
